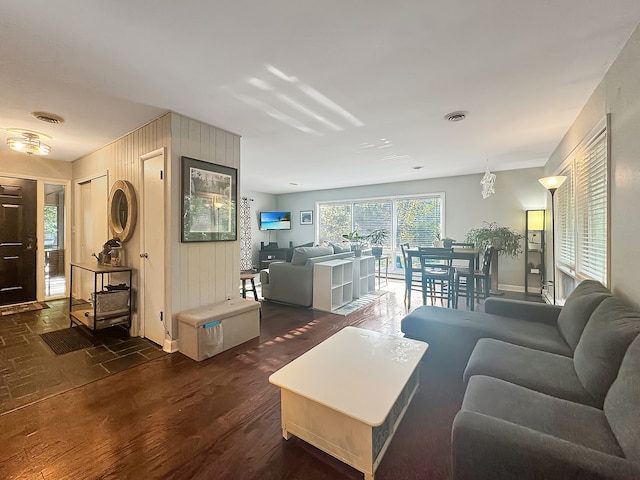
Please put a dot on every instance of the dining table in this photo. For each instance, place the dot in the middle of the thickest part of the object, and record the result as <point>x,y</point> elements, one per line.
<point>457,253</point>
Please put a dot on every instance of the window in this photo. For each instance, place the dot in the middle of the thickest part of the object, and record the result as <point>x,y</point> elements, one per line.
<point>582,213</point>
<point>416,220</point>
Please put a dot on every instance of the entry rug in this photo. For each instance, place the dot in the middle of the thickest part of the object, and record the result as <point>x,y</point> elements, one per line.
<point>358,303</point>
<point>66,340</point>
<point>23,307</point>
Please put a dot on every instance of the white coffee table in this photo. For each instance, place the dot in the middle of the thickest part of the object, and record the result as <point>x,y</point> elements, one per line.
<point>348,394</point>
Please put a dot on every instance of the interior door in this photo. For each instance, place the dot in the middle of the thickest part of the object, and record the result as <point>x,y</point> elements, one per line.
<point>17,240</point>
<point>153,239</point>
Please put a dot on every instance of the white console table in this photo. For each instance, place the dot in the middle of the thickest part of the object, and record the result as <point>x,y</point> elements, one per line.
<point>332,284</point>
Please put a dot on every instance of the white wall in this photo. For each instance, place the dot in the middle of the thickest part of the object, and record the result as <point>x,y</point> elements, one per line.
<point>618,95</point>
<point>516,191</point>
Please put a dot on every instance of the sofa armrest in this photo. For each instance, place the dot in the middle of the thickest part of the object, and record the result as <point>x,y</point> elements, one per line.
<point>290,283</point>
<point>531,311</point>
<point>488,448</point>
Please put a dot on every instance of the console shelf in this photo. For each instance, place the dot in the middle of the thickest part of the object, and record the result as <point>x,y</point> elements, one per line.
<point>332,284</point>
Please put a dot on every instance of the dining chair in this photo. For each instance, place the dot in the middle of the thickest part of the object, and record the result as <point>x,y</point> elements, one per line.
<point>438,274</point>
<point>482,280</point>
<point>415,282</point>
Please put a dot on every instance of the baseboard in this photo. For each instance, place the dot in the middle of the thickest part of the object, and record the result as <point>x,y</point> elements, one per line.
<point>170,346</point>
<point>511,288</point>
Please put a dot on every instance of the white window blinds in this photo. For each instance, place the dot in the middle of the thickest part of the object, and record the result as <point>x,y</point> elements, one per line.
<point>565,222</point>
<point>582,213</point>
<point>591,210</point>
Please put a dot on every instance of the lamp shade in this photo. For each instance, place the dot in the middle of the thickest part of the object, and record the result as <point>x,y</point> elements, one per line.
<point>552,183</point>
<point>535,219</point>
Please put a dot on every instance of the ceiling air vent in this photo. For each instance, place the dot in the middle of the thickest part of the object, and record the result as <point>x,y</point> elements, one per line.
<point>456,116</point>
<point>47,117</point>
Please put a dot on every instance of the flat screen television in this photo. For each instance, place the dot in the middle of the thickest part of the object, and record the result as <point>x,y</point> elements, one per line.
<point>275,220</point>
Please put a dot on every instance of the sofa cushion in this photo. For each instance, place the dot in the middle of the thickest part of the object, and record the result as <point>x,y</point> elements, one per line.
<point>436,325</point>
<point>540,371</point>
<point>606,338</point>
<point>578,308</point>
<point>573,422</point>
<point>302,254</point>
<point>622,404</point>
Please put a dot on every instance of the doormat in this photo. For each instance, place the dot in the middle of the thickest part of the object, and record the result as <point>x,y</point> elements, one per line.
<point>66,340</point>
<point>23,307</point>
<point>358,303</point>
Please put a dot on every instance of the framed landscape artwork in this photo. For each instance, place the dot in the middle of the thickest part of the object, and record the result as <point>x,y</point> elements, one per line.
<point>209,200</point>
<point>306,217</point>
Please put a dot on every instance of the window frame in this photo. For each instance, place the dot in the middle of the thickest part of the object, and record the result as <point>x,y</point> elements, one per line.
<point>578,206</point>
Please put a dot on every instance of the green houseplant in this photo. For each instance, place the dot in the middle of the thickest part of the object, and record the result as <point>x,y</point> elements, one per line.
<point>505,241</point>
<point>377,238</point>
<point>357,241</point>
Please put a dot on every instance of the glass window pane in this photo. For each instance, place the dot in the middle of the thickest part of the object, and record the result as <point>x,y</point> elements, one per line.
<point>335,220</point>
<point>419,220</point>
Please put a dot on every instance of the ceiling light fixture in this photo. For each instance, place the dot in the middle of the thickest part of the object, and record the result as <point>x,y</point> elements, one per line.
<point>456,116</point>
<point>29,143</point>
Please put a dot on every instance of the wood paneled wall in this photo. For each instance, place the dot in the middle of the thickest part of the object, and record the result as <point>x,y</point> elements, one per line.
<point>196,273</point>
<point>209,272</point>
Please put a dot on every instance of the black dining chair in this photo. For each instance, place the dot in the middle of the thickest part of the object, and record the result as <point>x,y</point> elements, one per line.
<point>415,282</point>
<point>482,280</point>
<point>438,274</point>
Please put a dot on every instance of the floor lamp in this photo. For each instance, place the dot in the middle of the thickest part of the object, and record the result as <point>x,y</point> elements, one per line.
<point>552,184</point>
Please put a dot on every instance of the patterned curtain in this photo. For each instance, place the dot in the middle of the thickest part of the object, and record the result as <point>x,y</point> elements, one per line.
<point>245,234</point>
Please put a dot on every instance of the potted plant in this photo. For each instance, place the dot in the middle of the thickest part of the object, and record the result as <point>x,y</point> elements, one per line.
<point>357,242</point>
<point>504,240</point>
<point>377,238</point>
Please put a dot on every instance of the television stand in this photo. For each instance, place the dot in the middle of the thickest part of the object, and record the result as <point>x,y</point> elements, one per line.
<point>269,255</point>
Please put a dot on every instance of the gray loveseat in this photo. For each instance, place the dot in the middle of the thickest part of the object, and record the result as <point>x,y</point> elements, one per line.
<point>551,392</point>
<point>292,282</point>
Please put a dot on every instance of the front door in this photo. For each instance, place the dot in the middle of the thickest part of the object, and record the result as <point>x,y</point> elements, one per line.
<point>17,240</point>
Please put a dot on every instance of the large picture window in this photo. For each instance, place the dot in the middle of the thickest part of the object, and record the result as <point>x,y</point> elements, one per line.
<point>416,220</point>
<point>582,213</point>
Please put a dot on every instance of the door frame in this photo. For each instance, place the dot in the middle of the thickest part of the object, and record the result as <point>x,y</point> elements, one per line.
<point>170,345</point>
<point>69,248</point>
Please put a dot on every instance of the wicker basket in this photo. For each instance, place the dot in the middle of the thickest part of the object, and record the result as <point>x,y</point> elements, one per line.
<point>115,301</point>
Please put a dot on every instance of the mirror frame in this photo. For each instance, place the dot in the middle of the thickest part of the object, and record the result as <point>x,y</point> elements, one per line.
<point>123,232</point>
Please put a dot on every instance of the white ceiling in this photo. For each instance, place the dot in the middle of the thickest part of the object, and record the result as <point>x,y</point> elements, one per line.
<point>324,93</point>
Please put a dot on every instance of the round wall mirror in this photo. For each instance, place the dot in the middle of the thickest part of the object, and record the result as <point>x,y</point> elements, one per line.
<point>123,209</point>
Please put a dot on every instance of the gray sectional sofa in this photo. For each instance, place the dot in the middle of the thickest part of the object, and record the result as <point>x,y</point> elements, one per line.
<point>550,392</point>
<point>292,282</point>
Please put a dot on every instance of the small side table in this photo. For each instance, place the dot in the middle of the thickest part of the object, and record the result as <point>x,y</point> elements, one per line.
<point>248,276</point>
<point>380,259</point>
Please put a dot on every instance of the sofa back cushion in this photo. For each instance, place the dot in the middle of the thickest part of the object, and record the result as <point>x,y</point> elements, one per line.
<point>622,405</point>
<point>302,254</point>
<point>604,342</point>
<point>578,308</point>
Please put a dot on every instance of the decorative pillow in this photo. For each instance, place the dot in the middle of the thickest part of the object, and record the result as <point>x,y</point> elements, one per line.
<point>341,247</point>
<point>302,254</point>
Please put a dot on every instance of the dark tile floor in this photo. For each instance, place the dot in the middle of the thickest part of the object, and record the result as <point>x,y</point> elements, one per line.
<point>31,371</point>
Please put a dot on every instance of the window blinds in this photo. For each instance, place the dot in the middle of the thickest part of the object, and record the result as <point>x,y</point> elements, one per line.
<point>582,212</point>
<point>591,210</point>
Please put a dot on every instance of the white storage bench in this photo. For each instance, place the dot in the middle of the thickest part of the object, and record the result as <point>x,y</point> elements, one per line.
<point>211,329</point>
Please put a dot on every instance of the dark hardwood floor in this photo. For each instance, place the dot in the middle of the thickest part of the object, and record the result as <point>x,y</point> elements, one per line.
<point>172,417</point>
